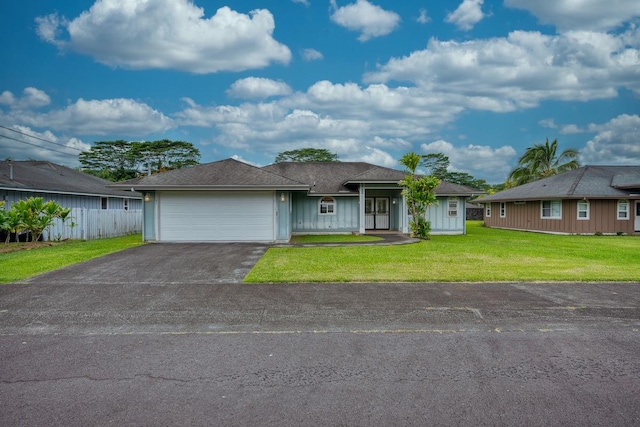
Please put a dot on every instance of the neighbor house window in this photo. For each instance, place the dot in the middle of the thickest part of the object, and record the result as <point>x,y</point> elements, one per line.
<point>327,206</point>
<point>487,210</point>
<point>104,203</point>
<point>623,209</point>
<point>552,209</point>
<point>503,210</point>
<point>583,209</point>
<point>452,209</point>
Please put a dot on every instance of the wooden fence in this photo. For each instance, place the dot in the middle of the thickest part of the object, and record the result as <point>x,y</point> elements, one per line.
<point>92,224</point>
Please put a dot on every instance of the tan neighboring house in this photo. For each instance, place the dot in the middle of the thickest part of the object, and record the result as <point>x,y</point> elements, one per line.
<point>588,200</point>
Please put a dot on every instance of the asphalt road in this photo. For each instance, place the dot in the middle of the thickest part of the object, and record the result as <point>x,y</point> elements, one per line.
<point>155,354</point>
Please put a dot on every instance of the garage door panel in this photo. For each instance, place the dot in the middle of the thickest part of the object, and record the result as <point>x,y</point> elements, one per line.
<point>216,216</point>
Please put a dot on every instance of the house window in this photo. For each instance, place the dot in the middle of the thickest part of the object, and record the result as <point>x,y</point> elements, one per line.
<point>583,209</point>
<point>552,209</point>
<point>623,209</point>
<point>487,210</point>
<point>503,210</point>
<point>126,204</point>
<point>452,210</point>
<point>327,206</point>
<point>104,202</point>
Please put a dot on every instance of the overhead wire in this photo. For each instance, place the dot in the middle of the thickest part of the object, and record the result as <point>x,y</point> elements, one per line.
<point>38,138</point>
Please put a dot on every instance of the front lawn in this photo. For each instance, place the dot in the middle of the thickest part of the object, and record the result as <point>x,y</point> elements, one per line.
<point>333,238</point>
<point>483,255</point>
<point>22,264</point>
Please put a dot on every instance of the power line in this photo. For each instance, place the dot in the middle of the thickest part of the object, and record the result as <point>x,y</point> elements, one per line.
<point>36,145</point>
<point>39,138</point>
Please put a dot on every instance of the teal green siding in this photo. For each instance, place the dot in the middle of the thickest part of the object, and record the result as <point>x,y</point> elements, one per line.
<point>441,222</point>
<point>305,217</point>
<point>149,219</point>
<point>283,216</point>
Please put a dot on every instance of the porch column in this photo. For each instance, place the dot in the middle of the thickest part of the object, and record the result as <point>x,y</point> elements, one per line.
<point>404,216</point>
<point>361,209</point>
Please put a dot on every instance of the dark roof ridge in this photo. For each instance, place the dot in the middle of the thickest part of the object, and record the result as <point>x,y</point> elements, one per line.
<point>576,181</point>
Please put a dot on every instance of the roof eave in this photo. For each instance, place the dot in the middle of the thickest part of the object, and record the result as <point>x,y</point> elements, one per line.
<point>287,187</point>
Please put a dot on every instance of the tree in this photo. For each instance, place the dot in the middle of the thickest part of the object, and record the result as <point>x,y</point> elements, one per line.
<point>420,194</point>
<point>542,161</point>
<point>307,155</point>
<point>436,164</point>
<point>120,160</point>
<point>33,215</point>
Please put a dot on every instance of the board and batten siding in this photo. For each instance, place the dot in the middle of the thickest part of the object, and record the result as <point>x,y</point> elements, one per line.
<point>305,217</point>
<point>441,222</point>
<point>527,215</point>
<point>93,224</point>
<point>71,200</point>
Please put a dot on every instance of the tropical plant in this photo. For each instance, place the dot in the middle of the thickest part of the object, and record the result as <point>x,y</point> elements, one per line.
<point>542,161</point>
<point>419,193</point>
<point>33,215</point>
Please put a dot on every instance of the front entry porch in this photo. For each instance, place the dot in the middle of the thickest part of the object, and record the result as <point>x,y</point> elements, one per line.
<point>381,210</point>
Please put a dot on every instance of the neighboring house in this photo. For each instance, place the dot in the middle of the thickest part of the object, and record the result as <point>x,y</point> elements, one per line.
<point>588,200</point>
<point>68,187</point>
<point>232,201</point>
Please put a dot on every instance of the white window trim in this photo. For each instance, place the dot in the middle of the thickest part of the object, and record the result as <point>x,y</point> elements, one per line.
<point>620,203</point>
<point>487,210</point>
<point>559,216</point>
<point>457,209</point>
<point>125,204</point>
<point>332,204</point>
<point>578,210</point>
<point>503,209</point>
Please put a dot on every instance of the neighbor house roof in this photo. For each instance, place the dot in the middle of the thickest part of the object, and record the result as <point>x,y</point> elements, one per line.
<point>226,174</point>
<point>602,182</point>
<point>47,177</point>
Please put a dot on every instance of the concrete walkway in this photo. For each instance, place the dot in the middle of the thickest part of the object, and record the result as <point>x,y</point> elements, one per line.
<point>388,239</point>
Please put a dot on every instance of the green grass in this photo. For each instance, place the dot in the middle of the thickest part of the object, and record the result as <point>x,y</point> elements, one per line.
<point>483,255</point>
<point>333,238</point>
<point>19,265</point>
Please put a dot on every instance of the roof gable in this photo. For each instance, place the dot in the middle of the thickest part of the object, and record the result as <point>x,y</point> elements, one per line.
<point>43,176</point>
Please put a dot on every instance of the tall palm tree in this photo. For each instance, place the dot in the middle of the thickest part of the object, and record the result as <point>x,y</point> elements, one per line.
<point>541,161</point>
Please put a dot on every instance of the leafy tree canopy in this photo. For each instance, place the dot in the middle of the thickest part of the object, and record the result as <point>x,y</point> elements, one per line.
<point>420,194</point>
<point>307,155</point>
<point>121,160</point>
<point>437,164</point>
<point>542,161</point>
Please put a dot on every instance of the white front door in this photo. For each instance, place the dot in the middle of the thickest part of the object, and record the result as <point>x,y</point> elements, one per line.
<point>637,227</point>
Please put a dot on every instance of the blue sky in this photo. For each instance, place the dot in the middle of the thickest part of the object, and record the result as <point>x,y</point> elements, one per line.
<point>479,81</point>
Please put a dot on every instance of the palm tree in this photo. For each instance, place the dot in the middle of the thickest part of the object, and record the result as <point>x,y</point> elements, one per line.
<point>541,161</point>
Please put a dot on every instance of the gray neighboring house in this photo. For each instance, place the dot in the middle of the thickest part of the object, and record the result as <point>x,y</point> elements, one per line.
<point>232,201</point>
<point>588,200</point>
<point>70,188</point>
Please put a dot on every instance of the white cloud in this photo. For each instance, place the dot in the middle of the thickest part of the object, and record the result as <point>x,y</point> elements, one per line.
<point>616,142</point>
<point>570,129</point>
<point>311,55</point>
<point>31,98</point>
<point>468,14</point>
<point>480,161</point>
<point>304,2</point>
<point>548,123</point>
<point>23,143</point>
<point>258,88</point>
<point>519,71</point>
<point>87,117</point>
<point>168,34</point>
<point>594,15</point>
<point>370,20</point>
<point>423,18</point>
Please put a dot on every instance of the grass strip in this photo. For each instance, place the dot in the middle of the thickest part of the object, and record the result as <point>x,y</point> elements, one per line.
<point>22,264</point>
<point>482,255</point>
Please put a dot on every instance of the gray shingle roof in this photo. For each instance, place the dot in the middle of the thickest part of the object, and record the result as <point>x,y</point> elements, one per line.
<point>227,173</point>
<point>316,177</point>
<point>587,181</point>
<point>334,177</point>
<point>43,176</point>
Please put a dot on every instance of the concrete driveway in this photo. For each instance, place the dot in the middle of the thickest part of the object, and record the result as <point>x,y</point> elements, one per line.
<point>164,263</point>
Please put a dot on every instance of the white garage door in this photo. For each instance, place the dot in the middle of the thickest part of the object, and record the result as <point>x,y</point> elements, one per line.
<point>207,216</point>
